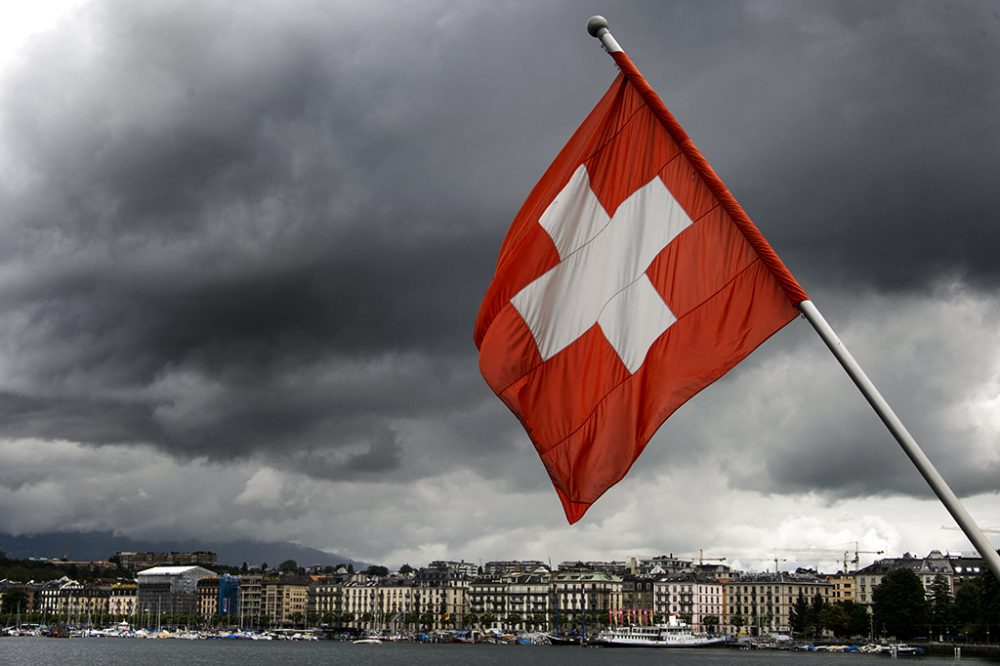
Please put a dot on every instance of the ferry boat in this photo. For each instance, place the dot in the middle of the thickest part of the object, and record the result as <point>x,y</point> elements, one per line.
<point>674,634</point>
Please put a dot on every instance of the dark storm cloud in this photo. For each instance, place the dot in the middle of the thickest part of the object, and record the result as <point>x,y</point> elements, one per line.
<point>266,229</point>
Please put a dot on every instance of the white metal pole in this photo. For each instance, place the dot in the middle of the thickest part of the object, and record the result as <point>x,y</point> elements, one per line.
<point>902,435</point>
<point>597,26</point>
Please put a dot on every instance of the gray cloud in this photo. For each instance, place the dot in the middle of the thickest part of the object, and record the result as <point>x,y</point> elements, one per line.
<point>260,234</point>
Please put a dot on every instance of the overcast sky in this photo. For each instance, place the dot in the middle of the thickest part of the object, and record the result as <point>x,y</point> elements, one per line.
<point>242,247</point>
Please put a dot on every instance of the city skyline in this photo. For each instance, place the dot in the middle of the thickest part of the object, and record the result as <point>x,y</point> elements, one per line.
<point>243,250</point>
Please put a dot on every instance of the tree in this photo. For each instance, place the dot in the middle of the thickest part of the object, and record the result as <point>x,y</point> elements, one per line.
<point>798,618</point>
<point>942,608</point>
<point>858,618</point>
<point>738,621</point>
<point>711,622</point>
<point>899,604</point>
<point>290,566</point>
<point>15,600</point>
<point>816,609</point>
<point>377,570</point>
<point>977,607</point>
<point>406,569</point>
<point>834,618</point>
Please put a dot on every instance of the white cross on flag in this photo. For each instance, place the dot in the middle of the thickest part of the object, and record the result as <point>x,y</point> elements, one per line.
<point>630,280</point>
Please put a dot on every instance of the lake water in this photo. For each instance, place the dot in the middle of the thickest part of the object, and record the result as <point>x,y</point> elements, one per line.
<point>137,652</point>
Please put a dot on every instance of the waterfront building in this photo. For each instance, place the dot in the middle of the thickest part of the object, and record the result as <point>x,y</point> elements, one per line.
<point>585,597</point>
<point>955,569</point>
<point>439,595</point>
<point>71,601</point>
<point>122,599</point>
<point>249,604</point>
<point>171,591</point>
<point>699,600</point>
<point>283,599</point>
<point>762,603</point>
<point>488,598</point>
<point>637,594</point>
<point>394,597</point>
<point>27,591</point>
<point>208,597</point>
<point>326,597</point>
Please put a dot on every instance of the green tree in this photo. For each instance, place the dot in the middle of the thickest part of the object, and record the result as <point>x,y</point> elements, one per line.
<point>941,607</point>
<point>816,609</point>
<point>798,617</point>
<point>834,618</point>
<point>899,605</point>
<point>977,608</point>
<point>738,621</point>
<point>289,566</point>
<point>15,600</point>
<point>513,620</point>
<point>377,570</point>
<point>711,622</point>
<point>406,569</point>
<point>858,618</point>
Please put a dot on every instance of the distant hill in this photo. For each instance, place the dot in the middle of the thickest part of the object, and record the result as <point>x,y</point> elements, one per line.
<point>102,545</point>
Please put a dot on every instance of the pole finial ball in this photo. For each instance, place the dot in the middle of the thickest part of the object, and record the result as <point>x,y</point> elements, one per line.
<point>596,24</point>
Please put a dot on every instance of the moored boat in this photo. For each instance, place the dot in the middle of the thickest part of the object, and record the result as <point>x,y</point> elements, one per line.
<point>675,634</point>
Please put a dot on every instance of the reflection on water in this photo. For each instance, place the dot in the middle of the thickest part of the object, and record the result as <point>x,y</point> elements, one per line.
<point>137,652</point>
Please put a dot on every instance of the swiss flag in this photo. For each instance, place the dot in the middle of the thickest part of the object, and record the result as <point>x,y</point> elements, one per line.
<point>630,280</point>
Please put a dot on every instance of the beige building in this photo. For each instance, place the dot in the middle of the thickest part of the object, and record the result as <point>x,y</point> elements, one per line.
<point>208,597</point>
<point>122,600</point>
<point>764,602</point>
<point>692,597</point>
<point>845,587</point>
<point>283,600</point>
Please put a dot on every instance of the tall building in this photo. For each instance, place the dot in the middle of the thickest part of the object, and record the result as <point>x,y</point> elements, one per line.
<point>170,591</point>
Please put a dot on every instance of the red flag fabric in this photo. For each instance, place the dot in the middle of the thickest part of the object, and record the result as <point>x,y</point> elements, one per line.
<point>629,280</point>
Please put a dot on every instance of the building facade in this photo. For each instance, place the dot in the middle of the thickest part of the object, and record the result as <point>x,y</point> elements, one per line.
<point>169,591</point>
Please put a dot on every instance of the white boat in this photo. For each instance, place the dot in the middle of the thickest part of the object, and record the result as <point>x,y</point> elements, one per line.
<point>674,634</point>
<point>370,640</point>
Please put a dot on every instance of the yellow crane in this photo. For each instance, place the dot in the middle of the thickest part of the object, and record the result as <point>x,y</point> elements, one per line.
<point>856,561</point>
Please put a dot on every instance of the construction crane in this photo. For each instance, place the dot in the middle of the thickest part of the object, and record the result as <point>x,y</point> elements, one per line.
<point>702,557</point>
<point>857,553</point>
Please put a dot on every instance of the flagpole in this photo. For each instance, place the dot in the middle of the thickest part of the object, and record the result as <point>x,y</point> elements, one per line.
<point>597,26</point>
<point>903,437</point>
